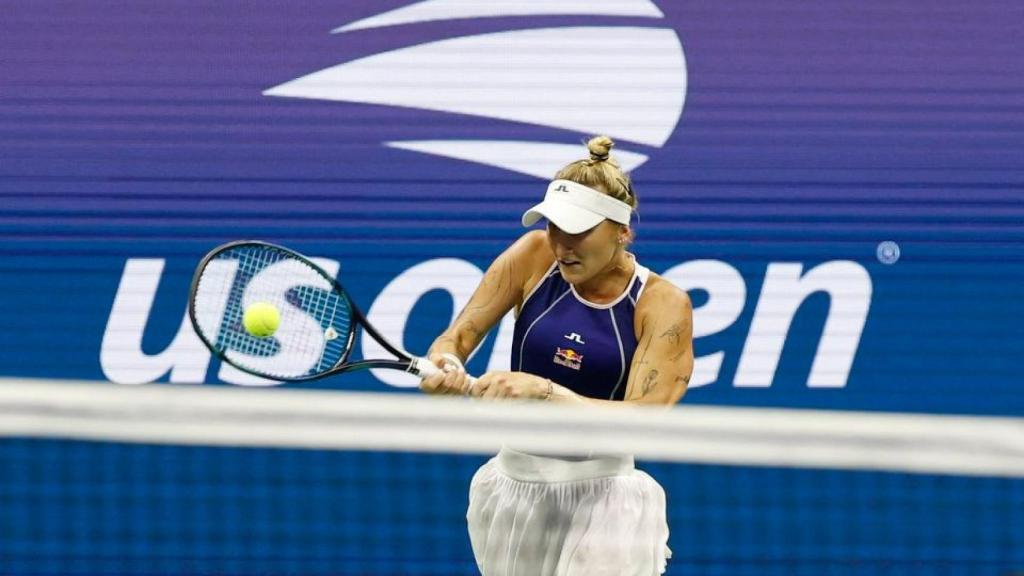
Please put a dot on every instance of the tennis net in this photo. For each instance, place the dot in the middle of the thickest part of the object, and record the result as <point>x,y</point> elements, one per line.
<point>162,479</point>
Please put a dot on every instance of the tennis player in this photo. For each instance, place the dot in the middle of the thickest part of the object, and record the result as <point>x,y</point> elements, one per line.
<point>593,326</point>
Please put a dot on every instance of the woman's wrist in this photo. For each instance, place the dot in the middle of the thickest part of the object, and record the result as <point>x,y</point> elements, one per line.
<point>554,392</point>
<point>444,352</point>
<point>548,390</point>
<point>453,359</point>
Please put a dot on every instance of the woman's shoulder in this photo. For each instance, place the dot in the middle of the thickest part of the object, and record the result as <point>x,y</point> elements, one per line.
<point>534,239</point>
<point>532,252</point>
<point>533,256</point>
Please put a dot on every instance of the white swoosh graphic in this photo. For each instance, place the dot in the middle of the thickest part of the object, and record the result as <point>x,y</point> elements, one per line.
<point>433,10</point>
<point>513,76</point>
<point>540,159</point>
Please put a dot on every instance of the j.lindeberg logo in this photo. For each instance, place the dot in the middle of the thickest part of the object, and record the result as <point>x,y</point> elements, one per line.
<point>575,338</point>
<point>515,79</point>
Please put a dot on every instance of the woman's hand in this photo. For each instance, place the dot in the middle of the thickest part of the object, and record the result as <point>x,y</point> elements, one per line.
<point>512,385</point>
<point>452,380</point>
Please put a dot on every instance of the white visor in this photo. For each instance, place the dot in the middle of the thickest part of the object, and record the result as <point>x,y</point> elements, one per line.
<point>575,208</point>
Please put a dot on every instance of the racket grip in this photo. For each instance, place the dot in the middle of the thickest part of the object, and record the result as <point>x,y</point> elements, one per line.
<point>425,368</point>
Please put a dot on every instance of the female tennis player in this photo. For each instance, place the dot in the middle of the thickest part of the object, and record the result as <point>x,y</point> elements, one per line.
<point>593,326</point>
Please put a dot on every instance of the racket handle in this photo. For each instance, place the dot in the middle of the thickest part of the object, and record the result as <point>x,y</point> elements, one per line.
<point>425,368</point>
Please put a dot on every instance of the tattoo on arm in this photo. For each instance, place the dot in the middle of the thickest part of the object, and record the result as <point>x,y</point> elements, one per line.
<point>673,333</point>
<point>649,381</point>
<point>472,328</point>
<point>492,290</point>
<point>497,289</point>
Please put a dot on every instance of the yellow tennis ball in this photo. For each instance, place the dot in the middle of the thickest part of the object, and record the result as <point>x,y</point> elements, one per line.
<point>261,319</point>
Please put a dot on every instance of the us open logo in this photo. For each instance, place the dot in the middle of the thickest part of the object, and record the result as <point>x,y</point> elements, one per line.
<point>511,76</point>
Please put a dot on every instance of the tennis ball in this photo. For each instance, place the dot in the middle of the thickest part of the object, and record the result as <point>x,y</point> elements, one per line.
<point>261,319</point>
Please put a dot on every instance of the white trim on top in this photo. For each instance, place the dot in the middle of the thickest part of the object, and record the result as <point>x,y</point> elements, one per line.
<point>643,273</point>
<point>622,355</point>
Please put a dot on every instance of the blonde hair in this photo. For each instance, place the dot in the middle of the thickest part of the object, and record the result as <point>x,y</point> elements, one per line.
<point>601,171</point>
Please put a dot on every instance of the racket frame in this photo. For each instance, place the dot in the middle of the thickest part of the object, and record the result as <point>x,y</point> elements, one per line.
<point>404,361</point>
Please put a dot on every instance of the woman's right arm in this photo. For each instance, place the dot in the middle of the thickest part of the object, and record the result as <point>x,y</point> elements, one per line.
<point>501,289</point>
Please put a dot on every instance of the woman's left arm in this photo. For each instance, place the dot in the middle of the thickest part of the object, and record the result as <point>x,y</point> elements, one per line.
<point>663,362</point>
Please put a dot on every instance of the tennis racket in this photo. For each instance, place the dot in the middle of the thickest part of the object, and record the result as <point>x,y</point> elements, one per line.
<point>318,320</point>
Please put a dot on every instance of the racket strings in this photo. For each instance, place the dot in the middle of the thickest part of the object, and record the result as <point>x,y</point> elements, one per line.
<point>236,337</point>
<point>335,340</point>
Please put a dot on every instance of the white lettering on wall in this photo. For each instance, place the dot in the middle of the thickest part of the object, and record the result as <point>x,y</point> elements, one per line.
<point>390,311</point>
<point>847,284</point>
<point>849,288</point>
<point>121,357</point>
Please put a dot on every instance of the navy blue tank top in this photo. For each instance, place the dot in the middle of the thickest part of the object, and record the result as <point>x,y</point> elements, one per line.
<point>583,346</point>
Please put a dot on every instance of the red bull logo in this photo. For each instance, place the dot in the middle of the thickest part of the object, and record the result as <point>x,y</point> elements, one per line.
<point>568,357</point>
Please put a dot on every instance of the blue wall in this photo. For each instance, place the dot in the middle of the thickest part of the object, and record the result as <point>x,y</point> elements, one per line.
<point>771,142</point>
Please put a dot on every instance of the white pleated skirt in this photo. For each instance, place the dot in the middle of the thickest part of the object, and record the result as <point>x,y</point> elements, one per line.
<point>542,516</point>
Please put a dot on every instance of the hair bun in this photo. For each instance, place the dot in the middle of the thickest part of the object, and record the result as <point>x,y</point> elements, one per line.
<point>601,171</point>
<point>600,148</point>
